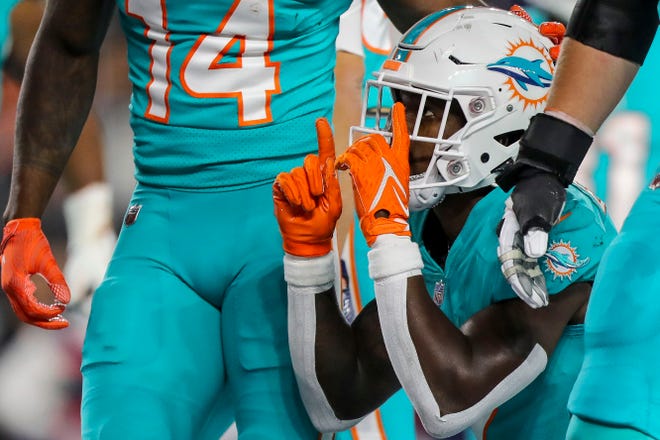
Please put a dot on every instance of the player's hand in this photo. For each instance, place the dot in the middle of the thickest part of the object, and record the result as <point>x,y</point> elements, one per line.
<point>380,174</point>
<point>531,211</point>
<point>553,30</point>
<point>308,200</point>
<point>520,270</point>
<point>537,202</point>
<point>90,239</point>
<point>26,252</point>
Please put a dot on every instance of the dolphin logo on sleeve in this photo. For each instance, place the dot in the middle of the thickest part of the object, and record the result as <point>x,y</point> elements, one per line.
<point>563,260</point>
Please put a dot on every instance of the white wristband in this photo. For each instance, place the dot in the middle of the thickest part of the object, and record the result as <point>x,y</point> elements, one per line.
<point>394,255</point>
<point>310,274</point>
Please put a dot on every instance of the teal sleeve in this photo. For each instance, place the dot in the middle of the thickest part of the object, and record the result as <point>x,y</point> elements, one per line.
<point>576,244</point>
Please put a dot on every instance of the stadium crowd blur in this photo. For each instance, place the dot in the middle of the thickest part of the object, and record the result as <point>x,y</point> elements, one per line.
<point>39,375</point>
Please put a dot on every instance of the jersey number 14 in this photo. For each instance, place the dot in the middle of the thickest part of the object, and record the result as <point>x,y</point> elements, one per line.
<point>251,78</point>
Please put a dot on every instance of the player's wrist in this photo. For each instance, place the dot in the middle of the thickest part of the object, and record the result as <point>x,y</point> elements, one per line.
<point>310,274</point>
<point>24,223</point>
<point>550,145</point>
<point>394,255</point>
<point>19,225</point>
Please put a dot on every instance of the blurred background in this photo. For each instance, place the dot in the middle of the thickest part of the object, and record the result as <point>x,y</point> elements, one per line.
<point>39,377</point>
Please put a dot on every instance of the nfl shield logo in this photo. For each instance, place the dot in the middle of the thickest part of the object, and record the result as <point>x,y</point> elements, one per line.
<point>439,292</point>
<point>132,214</point>
<point>655,183</point>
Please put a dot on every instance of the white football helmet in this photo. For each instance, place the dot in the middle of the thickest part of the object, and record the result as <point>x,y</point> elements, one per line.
<point>495,65</point>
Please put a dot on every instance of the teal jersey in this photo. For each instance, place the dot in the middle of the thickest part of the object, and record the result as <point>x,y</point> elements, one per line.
<point>5,12</point>
<point>6,7</point>
<point>226,93</point>
<point>619,385</point>
<point>471,281</point>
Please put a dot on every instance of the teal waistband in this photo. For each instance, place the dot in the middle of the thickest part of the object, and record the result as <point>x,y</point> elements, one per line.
<point>193,158</point>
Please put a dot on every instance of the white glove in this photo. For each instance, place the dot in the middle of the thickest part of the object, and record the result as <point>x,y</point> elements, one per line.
<point>521,271</point>
<point>90,238</point>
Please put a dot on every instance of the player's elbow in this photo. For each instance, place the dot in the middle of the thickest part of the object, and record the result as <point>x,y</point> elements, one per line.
<point>326,421</point>
<point>321,413</point>
<point>442,427</point>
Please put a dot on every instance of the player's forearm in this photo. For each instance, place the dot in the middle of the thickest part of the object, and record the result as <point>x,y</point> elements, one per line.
<point>51,112</point>
<point>419,330</point>
<point>352,363</point>
<point>56,95</point>
<point>405,13</point>
<point>308,278</point>
<point>589,83</point>
<point>343,372</point>
<point>336,354</point>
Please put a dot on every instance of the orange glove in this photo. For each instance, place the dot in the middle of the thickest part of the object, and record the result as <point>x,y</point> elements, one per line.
<point>25,252</point>
<point>308,200</point>
<point>554,30</point>
<point>380,176</point>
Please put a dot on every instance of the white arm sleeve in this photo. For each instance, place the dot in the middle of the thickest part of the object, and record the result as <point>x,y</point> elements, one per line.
<point>305,278</point>
<point>392,261</point>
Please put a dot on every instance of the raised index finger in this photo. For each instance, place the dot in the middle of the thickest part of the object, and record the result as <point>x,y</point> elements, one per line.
<point>325,140</point>
<point>401,139</point>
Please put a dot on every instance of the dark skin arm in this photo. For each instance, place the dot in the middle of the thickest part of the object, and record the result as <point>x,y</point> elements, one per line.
<point>352,365</point>
<point>85,165</point>
<point>461,365</point>
<point>405,13</point>
<point>53,108</point>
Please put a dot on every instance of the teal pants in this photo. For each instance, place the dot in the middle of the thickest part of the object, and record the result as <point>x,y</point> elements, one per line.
<point>188,329</point>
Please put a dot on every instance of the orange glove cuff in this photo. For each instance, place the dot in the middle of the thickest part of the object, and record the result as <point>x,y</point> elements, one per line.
<point>307,249</point>
<point>19,225</point>
<point>373,227</point>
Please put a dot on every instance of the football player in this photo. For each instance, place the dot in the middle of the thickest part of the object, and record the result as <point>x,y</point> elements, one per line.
<point>445,324</point>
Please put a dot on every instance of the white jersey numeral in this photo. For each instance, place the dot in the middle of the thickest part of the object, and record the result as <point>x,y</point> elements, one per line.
<point>250,77</point>
<point>152,13</point>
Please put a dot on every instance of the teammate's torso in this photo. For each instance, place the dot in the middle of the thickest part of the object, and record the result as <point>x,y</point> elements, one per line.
<point>238,76</point>
<point>243,63</point>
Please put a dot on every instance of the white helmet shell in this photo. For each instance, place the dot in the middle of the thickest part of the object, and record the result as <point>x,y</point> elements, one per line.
<point>495,65</point>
